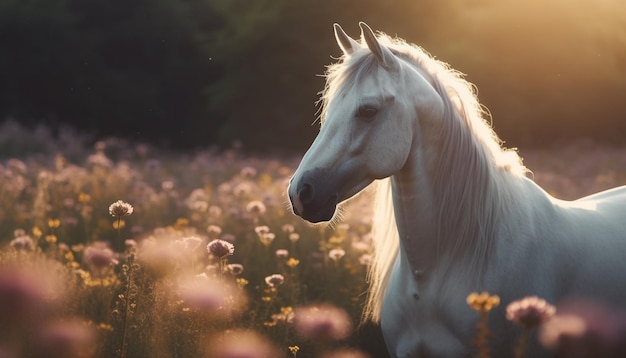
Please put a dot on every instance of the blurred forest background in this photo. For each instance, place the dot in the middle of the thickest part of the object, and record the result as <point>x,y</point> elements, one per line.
<point>192,73</point>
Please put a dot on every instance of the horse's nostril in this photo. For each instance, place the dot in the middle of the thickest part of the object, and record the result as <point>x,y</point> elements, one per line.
<point>306,193</point>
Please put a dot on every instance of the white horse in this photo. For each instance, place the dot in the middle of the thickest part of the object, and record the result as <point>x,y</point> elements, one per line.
<point>457,213</point>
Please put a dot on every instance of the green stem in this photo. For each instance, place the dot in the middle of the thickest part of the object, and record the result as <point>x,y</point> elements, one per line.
<point>127,305</point>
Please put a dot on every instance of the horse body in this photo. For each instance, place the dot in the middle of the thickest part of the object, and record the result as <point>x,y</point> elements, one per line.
<point>463,218</point>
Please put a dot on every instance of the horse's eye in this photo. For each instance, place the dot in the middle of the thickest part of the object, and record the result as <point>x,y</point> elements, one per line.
<point>367,111</point>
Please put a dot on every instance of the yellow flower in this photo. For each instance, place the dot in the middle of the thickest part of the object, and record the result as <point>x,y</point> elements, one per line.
<point>182,222</point>
<point>51,239</point>
<point>294,350</point>
<point>482,302</point>
<point>292,262</point>
<point>54,223</point>
<point>242,282</point>
<point>119,224</point>
<point>37,232</point>
<point>84,198</point>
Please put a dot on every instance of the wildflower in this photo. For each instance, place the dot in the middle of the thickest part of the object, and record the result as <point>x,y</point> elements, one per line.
<point>292,262</point>
<point>294,236</point>
<point>54,223</point>
<point>288,228</point>
<point>282,254</point>
<point>322,322</point>
<point>267,238</point>
<point>585,329</point>
<point>214,231</point>
<point>530,311</point>
<point>192,242</point>
<point>214,211</point>
<point>241,343</point>
<point>37,232</point>
<point>241,282</point>
<point>130,244</point>
<point>235,269</point>
<point>220,248</point>
<point>248,172</point>
<point>256,207</point>
<point>23,296</point>
<point>336,254</point>
<point>211,295</point>
<point>275,280</point>
<point>365,259</point>
<point>167,185</point>
<point>23,242</point>
<point>66,339</point>
<point>84,198</point>
<point>294,350</point>
<point>262,229</point>
<point>482,302</point>
<point>99,257</point>
<point>286,315</point>
<point>120,209</point>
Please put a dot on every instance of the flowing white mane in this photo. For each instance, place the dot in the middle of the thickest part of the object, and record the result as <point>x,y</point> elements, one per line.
<point>473,166</point>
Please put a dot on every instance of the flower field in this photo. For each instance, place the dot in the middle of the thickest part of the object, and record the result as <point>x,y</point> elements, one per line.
<point>120,250</point>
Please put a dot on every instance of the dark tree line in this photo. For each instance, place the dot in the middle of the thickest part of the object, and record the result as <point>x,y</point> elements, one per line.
<point>198,72</point>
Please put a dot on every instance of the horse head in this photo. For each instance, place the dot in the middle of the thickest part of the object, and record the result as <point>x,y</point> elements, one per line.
<point>368,126</point>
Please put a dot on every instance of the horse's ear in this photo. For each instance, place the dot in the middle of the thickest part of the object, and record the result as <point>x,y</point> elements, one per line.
<point>386,57</point>
<point>345,42</point>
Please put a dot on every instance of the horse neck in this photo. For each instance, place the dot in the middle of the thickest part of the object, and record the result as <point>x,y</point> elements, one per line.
<point>447,209</point>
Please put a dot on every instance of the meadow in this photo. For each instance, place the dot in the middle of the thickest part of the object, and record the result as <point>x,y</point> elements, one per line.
<point>119,249</point>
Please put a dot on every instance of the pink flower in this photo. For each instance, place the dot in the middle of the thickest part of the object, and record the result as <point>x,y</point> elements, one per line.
<point>530,311</point>
<point>119,209</point>
<point>23,242</point>
<point>67,339</point>
<point>322,322</point>
<point>99,256</point>
<point>275,280</point>
<point>584,328</point>
<point>336,254</point>
<point>220,248</point>
<point>241,344</point>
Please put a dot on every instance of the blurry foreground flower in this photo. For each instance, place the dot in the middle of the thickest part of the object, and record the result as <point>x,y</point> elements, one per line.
<point>120,209</point>
<point>240,344</point>
<point>528,312</point>
<point>212,296</point>
<point>322,322</point>
<point>345,353</point>
<point>66,339</point>
<point>585,329</point>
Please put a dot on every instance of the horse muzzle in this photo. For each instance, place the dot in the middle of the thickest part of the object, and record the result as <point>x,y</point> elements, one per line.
<point>312,199</point>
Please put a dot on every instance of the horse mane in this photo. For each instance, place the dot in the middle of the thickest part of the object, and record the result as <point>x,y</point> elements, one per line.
<point>471,181</point>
